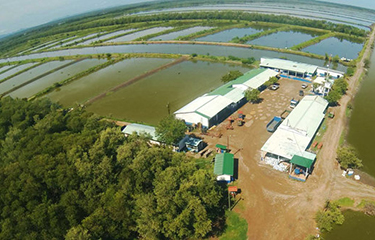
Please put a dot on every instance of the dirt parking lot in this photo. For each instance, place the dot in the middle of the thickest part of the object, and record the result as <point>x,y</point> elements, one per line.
<point>275,206</point>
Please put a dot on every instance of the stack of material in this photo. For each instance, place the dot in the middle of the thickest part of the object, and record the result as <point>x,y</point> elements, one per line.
<point>276,164</point>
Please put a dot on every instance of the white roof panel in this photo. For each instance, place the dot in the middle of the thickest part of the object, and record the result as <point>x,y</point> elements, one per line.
<point>235,95</point>
<point>213,107</point>
<point>287,65</point>
<point>296,132</point>
<point>260,79</point>
<point>195,104</point>
<point>140,129</point>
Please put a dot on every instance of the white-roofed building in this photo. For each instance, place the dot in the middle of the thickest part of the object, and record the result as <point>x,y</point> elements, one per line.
<point>214,107</point>
<point>294,135</point>
<point>141,129</point>
<point>291,68</point>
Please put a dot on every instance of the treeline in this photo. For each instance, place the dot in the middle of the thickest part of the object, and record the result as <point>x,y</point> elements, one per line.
<point>64,174</point>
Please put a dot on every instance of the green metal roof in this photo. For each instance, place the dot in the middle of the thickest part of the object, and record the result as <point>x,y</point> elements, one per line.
<point>224,164</point>
<point>221,146</point>
<point>301,161</point>
<point>226,88</point>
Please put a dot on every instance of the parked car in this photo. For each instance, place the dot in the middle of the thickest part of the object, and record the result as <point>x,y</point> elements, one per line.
<point>274,87</point>
<point>304,85</point>
<point>301,93</point>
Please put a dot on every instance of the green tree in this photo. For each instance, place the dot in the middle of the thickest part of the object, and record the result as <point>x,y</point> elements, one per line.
<point>350,71</point>
<point>270,81</point>
<point>336,59</point>
<point>170,130</point>
<point>348,158</point>
<point>340,85</point>
<point>333,97</point>
<point>252,95</point>
<point>329,216</point>
<point>231,76</point>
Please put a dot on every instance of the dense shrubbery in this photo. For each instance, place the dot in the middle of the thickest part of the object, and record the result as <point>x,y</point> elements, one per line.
<point>64,173</point>
<point>339,88</point>
<point>348,157</point>
<point>331,215</point>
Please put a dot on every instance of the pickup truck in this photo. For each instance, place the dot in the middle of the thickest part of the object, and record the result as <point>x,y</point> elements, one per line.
<point>273,124</point>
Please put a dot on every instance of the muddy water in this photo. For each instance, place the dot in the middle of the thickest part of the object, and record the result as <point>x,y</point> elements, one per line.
<point>67,72</point>
<point>147,100</point>
<point>87,87</point>
<point>357,226</point>
<point>361,127</point>
<point>30,74</point>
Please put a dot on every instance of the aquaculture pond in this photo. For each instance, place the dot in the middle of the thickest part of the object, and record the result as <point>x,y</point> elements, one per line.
<point>227,35</point>
<point>12,71</point>
<point>335,46</point>
<point>98,82</point>
<point>139,34</point>
<point>106,36</point>
<point>147,99</point>
<point>5,68</point>
<point>361,126</point>
<point>179,49</point>
<point>282,39</point>
<point>58,76</point>
<point>175,35</point>
<point>76,40</point>
<point>357,226</point>
<point>30,74</point>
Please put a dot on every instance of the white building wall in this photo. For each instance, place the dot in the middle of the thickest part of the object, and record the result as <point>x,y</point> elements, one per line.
<point>223,178</point>
<point>193,118</point>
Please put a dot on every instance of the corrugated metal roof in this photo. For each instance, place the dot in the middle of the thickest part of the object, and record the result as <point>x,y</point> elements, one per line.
<point>296,132</point>
<point>235,95</point>
<point>224,164</point>
<point>287,65</point>
<point>260,79</point>
<point>140,129</point>
<point>301,161</point>
<point>195,104</point>
<point>214,106</point>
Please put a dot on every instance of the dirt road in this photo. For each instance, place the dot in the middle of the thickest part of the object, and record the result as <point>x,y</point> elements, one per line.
<point>274,206</point>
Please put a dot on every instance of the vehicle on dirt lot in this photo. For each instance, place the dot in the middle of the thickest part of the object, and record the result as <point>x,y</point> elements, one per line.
<point>274,87</point>
<point>304,85</point>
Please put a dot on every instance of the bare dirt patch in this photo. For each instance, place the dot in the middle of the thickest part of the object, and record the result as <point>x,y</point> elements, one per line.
<point>277,207</point>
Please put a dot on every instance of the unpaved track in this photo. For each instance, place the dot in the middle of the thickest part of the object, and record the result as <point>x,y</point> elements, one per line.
<point>274,206</point>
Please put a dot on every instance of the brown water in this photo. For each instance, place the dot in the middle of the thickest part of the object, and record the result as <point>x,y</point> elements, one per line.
<point>87,87</point>
<point>361,126</point>
<point>147,100</point>
<point>58,76</point>
<point>357,226</point>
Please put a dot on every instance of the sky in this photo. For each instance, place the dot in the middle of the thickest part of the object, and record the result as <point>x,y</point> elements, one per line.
<point>16,15</point>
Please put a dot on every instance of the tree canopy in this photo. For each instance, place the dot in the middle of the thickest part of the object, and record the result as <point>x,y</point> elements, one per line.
<point>348,157</point>
<point>66,174</point>
<point>252,95</point>
<point>231,75</point>
<point>170,130</point>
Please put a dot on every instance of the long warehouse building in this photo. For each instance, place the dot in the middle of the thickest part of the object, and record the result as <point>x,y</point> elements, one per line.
<point>294,135</point>
<point>212,108</point>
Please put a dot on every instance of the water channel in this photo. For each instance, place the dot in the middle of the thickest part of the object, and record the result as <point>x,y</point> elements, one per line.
<point>227,35</point>
<point>361,126</point>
